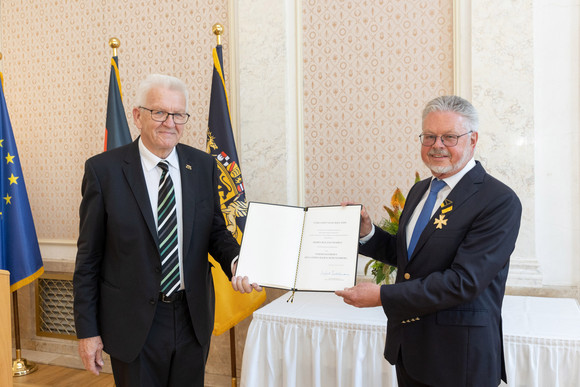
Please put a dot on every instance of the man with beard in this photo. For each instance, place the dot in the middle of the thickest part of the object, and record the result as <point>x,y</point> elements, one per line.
<point>456,234</point>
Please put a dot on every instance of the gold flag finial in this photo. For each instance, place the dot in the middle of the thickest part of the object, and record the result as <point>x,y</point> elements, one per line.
<point>218,30</point>
<point>114,43</point>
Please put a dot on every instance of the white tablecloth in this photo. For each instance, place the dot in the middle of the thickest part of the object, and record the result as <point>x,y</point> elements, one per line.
<point>542,341</point>
<point>319,341</point>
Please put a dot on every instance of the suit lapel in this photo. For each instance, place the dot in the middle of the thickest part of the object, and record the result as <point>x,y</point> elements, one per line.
<point>133,172</point>
<point>467,186</point>
<point>189,177</point>
<point>412,201</point>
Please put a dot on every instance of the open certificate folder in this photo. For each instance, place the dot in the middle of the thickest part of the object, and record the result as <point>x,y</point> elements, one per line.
<point>297,248</point>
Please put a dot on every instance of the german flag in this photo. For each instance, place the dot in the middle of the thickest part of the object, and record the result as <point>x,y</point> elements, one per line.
<point>116,130</point>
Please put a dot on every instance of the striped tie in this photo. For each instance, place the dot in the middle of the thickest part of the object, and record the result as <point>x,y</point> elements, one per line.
<point>167,232</point>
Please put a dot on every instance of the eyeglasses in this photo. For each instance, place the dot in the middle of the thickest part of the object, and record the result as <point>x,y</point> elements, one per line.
<point>448,140</point>
<point>161,116</point>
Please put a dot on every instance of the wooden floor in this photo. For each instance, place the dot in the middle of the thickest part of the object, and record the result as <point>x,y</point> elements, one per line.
<point>47,375</point>
<point>57,376</point>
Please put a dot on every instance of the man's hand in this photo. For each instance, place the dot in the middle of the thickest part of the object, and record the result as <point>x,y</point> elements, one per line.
<point>243,285</point>
<point>363,295</point>
<point>366,225</point>
<point>91,351</point>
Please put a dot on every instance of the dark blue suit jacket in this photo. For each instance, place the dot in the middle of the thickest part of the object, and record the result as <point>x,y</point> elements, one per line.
<point>118,270</point>
<point>444,311</point>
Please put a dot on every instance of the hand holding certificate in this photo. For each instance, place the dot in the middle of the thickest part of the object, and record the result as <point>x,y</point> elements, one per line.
<point>312,248</point>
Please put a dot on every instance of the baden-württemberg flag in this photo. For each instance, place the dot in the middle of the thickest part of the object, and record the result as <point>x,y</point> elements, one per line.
<point>19,251</point>
<point>231,307</point>
<point>117,130</point>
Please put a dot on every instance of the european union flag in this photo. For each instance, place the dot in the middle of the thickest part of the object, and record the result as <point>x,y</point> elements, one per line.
<point>19,251</point>
<point>230,307</point>
<point>117,130</point>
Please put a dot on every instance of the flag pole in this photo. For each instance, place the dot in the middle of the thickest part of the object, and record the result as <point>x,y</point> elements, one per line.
<point>20,366</point>
<point>114,43</point>
<point>218,29</point>
<point>233,355</point>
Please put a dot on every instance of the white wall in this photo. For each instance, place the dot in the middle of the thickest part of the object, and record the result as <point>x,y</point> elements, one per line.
<point>557,122</point>
<point>268,98</point>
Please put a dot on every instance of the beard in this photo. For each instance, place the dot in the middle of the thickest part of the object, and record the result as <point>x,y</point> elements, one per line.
<point>446,169</point>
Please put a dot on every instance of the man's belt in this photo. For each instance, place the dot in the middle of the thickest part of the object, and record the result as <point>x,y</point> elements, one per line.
<point>176,296</point>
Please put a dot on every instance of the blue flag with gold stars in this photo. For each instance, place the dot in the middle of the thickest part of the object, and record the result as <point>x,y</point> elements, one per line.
<point>19,251</point>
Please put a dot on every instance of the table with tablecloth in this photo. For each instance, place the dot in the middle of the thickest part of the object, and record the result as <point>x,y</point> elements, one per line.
<point>317,340</point>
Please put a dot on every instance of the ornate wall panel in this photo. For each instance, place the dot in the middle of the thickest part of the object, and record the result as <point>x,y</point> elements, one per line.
<point>56,69</point>
<point>369,68</point>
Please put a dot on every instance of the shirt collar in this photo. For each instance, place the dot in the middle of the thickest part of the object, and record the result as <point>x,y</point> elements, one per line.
<point>150,161</point>
<point>452,181</point>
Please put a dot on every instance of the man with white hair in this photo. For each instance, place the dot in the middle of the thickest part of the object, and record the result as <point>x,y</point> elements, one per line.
<point>149,216</point>
<point>452,250</point>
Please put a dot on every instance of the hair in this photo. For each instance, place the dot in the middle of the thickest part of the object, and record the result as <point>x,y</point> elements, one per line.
<point>455,104</point>
<point>159,80</point>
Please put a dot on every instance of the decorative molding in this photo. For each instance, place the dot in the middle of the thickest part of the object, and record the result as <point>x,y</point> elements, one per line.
<point>462,48</point>
<point>544,291</point>
<point>234,79</point>
<point>58,249</point>
<point>57,242</point>
<point>299,105</point>
<point>524,272</point>
<point>58,255</point>
<point>498,102</point>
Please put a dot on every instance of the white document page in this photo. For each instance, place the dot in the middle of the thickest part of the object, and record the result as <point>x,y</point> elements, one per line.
<point>329,248</point>
<point>270,244</point>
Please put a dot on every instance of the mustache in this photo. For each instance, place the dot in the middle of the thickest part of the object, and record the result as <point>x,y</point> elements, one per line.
<point>439,152</point>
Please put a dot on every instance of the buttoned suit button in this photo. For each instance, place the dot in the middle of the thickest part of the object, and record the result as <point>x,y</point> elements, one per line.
<point>407,276</point>
<point>152,301</point>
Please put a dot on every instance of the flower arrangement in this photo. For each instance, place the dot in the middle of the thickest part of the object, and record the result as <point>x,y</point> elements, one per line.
<point>384,273</point>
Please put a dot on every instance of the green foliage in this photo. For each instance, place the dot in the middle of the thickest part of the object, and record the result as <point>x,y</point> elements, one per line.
<point>381,271</point>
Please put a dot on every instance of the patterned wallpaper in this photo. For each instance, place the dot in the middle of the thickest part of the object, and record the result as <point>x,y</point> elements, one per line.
<point>56,66</point>
<point>369,69</point>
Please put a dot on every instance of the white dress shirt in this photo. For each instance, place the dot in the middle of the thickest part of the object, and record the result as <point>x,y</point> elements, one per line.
<point>450,181</point>
<point>152,175</point>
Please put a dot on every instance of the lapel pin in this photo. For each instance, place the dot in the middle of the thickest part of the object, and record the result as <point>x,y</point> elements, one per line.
<point>440,222</point>
<point>446,206</point>
<point>187,166</point>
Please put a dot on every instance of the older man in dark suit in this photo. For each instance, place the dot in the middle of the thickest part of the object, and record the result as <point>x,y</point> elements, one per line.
<point>456,234</point>
<point>149,216</point>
